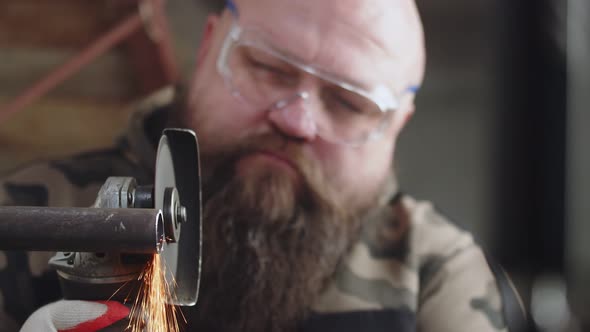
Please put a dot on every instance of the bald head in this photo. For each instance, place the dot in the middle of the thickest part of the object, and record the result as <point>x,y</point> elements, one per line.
<point>387,33</point>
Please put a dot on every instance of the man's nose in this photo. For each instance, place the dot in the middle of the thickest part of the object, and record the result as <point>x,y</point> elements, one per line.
<point>293,117</point>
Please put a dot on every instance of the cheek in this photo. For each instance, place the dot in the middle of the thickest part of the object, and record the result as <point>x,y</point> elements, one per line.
<point>358,172</point>
<point>218,118</point>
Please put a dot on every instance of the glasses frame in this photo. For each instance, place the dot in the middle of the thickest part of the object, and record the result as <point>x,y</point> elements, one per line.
<point>380,95</point>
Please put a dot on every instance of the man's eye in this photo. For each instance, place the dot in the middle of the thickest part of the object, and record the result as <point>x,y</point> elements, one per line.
<point>272,73</point>
<point>268,67</point>
<point>258,64</point>
<point>344,104</point>
<point>350,106</point>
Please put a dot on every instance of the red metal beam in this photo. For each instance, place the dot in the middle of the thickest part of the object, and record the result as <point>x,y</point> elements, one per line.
<point>100,46</point>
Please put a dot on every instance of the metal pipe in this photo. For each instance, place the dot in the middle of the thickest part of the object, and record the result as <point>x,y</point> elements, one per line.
<point>81,229</point>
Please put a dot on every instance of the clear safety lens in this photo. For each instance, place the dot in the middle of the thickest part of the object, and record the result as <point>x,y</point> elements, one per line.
<point>262,79</point>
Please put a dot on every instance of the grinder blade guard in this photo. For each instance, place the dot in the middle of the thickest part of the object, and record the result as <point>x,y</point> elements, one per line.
<point>175,201</point>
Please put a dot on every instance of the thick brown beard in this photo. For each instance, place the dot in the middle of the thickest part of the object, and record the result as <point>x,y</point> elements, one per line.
<point>270,241</point>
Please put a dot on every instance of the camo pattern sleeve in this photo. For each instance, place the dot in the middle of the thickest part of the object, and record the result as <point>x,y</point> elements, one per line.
<point>412,270</point>
<point>458,291</point>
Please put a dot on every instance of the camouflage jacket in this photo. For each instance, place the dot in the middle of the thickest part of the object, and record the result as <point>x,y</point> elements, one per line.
<point>411,270</point>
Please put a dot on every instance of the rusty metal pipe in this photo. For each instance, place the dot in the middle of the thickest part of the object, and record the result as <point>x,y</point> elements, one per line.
<point>81,229</point>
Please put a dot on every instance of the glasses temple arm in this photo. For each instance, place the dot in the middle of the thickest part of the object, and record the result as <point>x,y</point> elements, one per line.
<point>231,6</point>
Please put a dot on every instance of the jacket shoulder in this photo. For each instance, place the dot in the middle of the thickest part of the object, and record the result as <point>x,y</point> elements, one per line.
<point>410,258</point>
<point>72,182</point>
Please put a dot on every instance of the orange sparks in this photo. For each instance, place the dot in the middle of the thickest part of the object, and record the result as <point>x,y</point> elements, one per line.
<point>151,310</point>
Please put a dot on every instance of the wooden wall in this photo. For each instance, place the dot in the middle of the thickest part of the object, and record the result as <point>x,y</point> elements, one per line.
<point>90,109</point>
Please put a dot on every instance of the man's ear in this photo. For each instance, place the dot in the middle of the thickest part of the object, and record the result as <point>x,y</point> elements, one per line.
<point>207,38</point>
<point>405,112</point>
<point>409,113</point>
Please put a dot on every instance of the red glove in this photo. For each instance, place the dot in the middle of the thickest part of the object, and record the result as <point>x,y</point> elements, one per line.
<point>75,316</point>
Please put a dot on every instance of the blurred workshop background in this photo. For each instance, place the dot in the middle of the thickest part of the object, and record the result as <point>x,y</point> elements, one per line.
<point>498,141</point>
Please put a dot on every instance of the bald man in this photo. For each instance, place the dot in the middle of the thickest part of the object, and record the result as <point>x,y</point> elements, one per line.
<point>297,106</point>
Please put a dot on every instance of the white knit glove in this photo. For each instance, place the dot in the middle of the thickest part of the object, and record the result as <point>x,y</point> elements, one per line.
<point>75,316</point>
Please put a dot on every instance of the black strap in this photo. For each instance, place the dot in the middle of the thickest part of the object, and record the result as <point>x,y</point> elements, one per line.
<point>512,308</point>
<point>385,320</point>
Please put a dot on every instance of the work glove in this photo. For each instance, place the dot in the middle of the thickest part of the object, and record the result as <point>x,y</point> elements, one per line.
<point>78,316</point>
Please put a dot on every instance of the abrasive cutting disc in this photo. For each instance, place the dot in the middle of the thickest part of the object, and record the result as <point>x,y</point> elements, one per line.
<point>177,166</point>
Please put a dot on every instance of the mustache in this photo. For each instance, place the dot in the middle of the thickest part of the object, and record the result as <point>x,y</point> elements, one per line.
<point>220,164</point>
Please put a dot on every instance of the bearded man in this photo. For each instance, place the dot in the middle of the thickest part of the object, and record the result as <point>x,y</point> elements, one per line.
<point>297,106</point>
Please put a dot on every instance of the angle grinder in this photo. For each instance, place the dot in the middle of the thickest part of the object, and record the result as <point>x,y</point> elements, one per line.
<point>102,250</point>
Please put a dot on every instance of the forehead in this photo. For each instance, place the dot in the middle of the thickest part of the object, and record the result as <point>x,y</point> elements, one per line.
<point>356,40</point>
